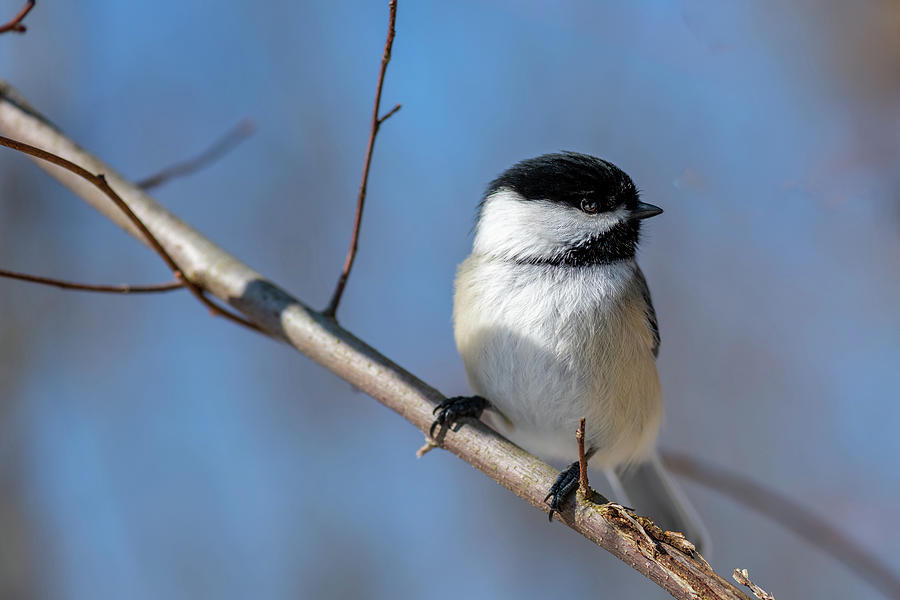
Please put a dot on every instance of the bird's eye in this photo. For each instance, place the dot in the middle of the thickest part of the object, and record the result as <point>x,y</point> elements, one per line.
<point>590,206</point>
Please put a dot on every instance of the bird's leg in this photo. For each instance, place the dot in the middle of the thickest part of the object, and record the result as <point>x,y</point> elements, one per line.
<point>566,483</point>
<point>450,411</point>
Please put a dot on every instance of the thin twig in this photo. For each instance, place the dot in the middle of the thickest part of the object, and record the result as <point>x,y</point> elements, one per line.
<point>331,310</point>
<point>743,578</point>
<point>583,485</point>
<point>99,181</point>
<point>15,24</point>
<point>227,142</point>
<point>792,516</point>
<point>389,114</point>
<point>88,287</point>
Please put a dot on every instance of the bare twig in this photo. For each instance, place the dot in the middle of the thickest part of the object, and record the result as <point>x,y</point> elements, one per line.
<point>331,310</point>
<point>99,181</point>
<point>389,114</point>
<point>583,485</point>
<point>227,142</point>
<point>743,578</point>
<point>15,24</point>
<point>324,341</point>
<point>88,287</point>
<point>792,516</point>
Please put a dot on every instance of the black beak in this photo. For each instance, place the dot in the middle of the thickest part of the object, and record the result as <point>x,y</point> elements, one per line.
<point>645,211</point>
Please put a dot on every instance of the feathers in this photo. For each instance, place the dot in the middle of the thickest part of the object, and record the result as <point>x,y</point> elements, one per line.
<point>651,312</point>
<point>547,345</point>
<point>541,231</point>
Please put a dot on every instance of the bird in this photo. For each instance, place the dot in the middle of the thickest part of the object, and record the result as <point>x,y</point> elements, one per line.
<point>554,322</point>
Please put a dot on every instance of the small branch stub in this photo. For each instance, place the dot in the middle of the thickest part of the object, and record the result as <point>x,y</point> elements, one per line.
<point>743,578</point>
<point>583,487</point>
<point>427,447</point>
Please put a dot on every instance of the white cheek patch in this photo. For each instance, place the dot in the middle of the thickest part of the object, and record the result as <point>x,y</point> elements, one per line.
<point>512,227</point>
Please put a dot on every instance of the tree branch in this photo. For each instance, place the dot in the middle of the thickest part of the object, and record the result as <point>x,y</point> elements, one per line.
<point>15,24</point>
<point>100,182</point>
<point>227,142</point>
<point>331,310</point>
<point>325,342</point>
<point>125,288</point>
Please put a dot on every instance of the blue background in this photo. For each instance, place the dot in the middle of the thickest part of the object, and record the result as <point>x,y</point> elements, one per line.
<point>148,450</point>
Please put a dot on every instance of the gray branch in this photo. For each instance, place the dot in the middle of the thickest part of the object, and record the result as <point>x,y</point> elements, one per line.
<point>339,351</point>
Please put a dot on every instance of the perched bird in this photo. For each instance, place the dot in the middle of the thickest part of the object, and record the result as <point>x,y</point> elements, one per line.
<point>554,323</point>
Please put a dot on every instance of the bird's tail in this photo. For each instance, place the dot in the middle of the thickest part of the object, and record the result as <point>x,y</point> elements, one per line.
<point>652,491</point>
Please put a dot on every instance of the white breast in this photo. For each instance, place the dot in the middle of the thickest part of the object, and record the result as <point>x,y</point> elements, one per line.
<point>549,345</point>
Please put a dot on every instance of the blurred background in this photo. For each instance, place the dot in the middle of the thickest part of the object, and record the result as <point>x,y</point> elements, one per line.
<point>148,450</point>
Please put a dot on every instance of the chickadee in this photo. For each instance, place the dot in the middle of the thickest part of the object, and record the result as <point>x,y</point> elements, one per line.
<point>554,323</point>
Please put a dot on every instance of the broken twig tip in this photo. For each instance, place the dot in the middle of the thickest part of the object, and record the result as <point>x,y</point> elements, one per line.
<point>742,576</point>
<point>428,447</point>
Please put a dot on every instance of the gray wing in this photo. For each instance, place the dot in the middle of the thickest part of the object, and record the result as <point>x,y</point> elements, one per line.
<point>651,312</point>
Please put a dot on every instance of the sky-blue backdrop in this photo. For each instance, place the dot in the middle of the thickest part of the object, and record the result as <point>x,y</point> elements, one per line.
<point>150,451</point>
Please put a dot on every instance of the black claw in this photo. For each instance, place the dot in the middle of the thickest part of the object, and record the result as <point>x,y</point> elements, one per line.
<point>562,488</point>
<point>450,411</point>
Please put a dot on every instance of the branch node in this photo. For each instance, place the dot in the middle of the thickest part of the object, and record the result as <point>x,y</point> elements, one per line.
<point>99,181</point>
<point>389,114</point>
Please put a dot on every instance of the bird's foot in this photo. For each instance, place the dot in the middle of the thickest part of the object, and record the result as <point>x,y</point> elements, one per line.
<point>566,483</point>
<point>450,411</point>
